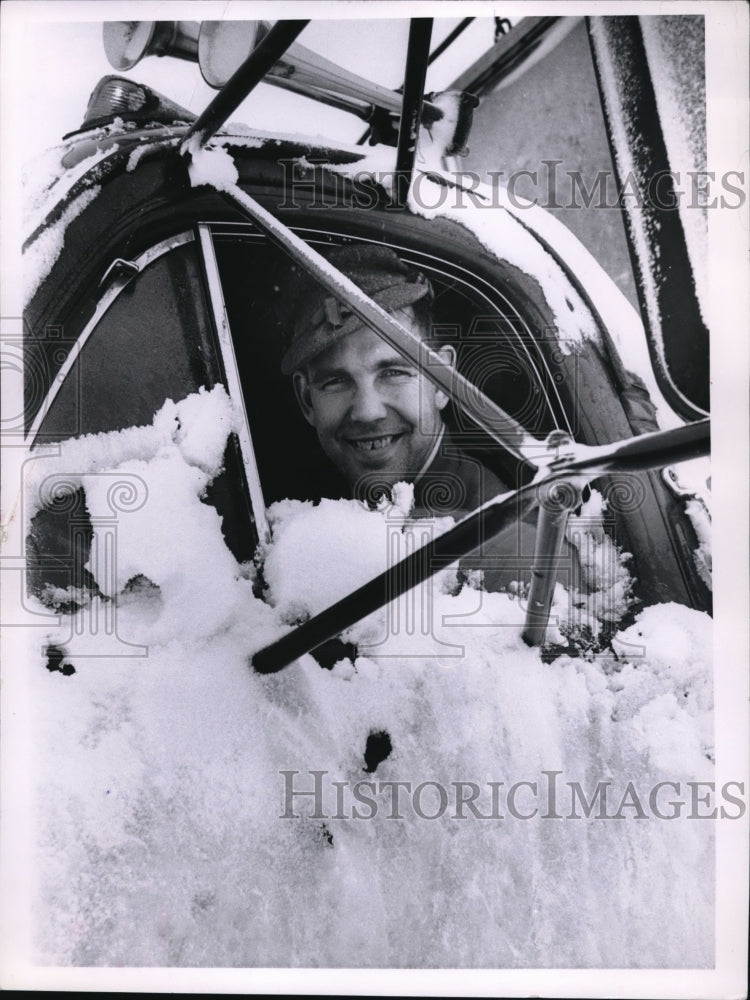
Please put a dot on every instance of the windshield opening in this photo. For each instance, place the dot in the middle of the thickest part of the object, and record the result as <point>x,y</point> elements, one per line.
<point>495,347</point>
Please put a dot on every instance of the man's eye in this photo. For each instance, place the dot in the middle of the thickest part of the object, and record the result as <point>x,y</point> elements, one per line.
<point>398,372</point>
<point>333,384</point>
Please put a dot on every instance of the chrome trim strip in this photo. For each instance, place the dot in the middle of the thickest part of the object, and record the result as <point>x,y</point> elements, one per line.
<point>234,387</point>
<point>109,296</point>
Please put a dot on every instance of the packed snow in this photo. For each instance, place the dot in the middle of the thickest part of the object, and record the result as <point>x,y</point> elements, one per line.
<point>210,165</point>
<point>162,769</point>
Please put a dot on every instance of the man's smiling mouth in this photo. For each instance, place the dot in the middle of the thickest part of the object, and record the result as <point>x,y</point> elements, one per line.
<point>373,443</point>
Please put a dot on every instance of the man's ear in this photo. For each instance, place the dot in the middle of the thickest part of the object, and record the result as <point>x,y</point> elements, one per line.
<point>304,398</point>
<point>448,353</point>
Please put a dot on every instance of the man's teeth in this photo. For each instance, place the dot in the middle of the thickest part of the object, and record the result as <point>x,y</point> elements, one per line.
<point>374,444</point>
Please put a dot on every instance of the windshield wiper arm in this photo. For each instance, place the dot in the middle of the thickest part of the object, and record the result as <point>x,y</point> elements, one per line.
<point>648,451</point>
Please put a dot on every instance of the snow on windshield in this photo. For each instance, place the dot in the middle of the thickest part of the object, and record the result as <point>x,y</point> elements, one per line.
<point>423,804</point>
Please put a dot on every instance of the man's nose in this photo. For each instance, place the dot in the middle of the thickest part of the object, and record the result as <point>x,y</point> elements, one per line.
<point>368,404</point>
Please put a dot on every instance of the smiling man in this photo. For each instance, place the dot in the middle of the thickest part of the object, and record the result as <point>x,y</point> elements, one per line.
<point>377,417</point>
<point>373,411</point>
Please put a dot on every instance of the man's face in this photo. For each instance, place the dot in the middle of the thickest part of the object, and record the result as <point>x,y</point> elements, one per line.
<point>373,411</point>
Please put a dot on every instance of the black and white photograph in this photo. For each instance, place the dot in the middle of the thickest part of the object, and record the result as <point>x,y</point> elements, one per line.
<point>375,498</point>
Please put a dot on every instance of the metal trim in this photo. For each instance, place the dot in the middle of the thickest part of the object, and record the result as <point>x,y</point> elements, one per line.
<point>104,303</point>
<point>231,370</point>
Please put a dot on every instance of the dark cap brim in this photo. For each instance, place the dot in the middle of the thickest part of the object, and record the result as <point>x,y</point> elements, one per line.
<point>308,342</point>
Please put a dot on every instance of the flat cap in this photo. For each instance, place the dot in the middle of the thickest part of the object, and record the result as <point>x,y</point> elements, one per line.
<point>316,319</point>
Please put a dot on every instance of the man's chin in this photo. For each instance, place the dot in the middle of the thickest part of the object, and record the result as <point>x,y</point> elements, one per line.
<point>382,467</point>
